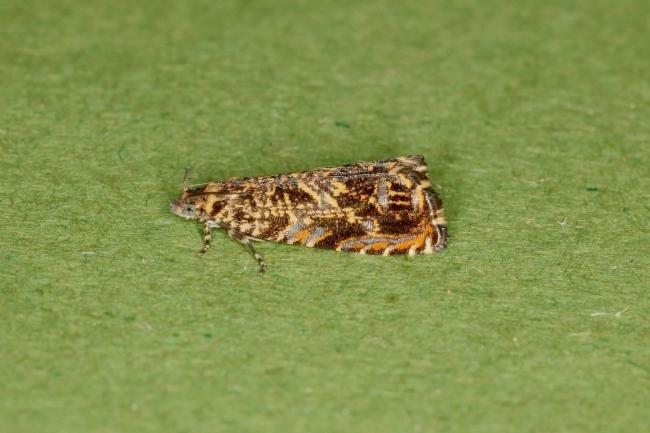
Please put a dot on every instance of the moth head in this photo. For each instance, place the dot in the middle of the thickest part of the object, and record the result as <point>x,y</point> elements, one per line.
<point>186,205</point>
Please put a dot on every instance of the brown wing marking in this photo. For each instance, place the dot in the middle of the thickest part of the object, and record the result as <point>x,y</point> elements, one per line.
<point>419,242</point>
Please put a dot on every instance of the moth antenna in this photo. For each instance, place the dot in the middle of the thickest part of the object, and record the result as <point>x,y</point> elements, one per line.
<point>186,182</point>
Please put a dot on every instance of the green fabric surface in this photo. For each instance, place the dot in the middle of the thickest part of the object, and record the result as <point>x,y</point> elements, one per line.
<point>533,117</point>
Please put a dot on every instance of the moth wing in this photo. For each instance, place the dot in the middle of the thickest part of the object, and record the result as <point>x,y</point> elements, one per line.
<point>378,207</point>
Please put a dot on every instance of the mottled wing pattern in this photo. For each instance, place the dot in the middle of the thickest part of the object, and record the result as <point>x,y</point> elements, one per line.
<point>379,207</point>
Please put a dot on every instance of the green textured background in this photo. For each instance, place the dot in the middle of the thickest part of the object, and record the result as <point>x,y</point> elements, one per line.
<point>534,119</point>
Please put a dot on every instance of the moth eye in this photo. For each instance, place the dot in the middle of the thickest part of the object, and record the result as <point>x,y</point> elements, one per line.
<point>189,208</point>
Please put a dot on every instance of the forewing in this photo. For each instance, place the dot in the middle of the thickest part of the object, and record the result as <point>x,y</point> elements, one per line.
<point>378,207</point>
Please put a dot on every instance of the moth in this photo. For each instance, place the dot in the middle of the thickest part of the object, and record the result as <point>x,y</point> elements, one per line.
<point>382,207</point>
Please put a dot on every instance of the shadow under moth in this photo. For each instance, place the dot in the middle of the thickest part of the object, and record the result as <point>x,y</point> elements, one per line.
<point>379,207</point>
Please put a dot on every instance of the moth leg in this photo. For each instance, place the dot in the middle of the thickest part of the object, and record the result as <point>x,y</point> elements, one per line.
<point>246,241</point>
<point>207,236</point>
